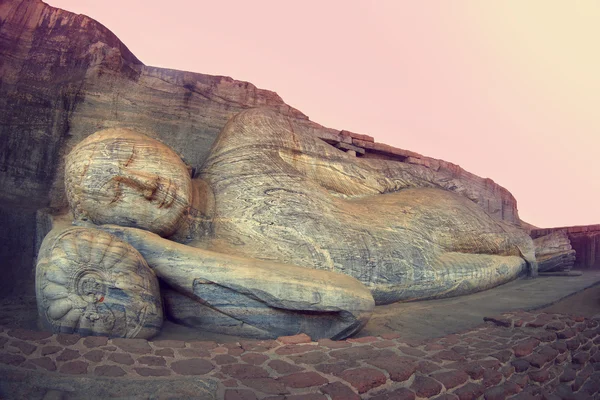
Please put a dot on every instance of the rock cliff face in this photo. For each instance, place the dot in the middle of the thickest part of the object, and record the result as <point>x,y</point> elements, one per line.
<point>65,76</point>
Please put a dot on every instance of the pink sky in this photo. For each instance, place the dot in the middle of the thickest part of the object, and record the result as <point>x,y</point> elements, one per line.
<point>508,90</point>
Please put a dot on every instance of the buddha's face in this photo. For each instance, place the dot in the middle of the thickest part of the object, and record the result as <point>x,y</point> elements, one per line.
<point>122,177</point>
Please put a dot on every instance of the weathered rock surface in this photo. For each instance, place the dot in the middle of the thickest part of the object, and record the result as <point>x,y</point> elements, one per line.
<point>273,299</point>
<point>119,176</point>
<point>65,76</point>
<point>283,195</point>
<point>554,252</point>
<point>91,283</point>
<point>585,241</point>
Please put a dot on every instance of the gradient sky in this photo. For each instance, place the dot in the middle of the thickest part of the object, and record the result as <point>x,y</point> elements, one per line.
<point>508,90</point>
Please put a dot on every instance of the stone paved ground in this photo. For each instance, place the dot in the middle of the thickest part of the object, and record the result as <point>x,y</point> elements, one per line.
<point>520,355</point>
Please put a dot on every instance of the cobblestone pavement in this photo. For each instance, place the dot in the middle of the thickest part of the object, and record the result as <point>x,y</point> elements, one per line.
<point>520,355</point>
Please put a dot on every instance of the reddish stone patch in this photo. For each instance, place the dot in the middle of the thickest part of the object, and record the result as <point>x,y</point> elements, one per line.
<point>11,359</point>
<point>206,344</point>
<point>50,350</point>
<point>254,358</point>
<point>568,375</point>
<point>411,351</point>
<point>143,371</point>
<point>193,353</point>
<point>399,369</point>
<point>68,355</point>
<point>152,361</point>
<point>303,380</point>
<point>382,344</point>
<point>266,385</point>
<point>307,396</point>
<point>492,378</point>
<point>66,339</point>
<point>398,394</point>
<point>194,366</point>
<point>390,336</point>
<point>448,355</point>
<point>470,391</point>
<point>312,357</point>
<point>74,368</point>
<point>424,386</point>
<point>521,365</point>
<point>434,347</point>
<point>336,368</point>
<point>109,370</point>
<point>283,367</point>
<point>355,353</point>
<point>503,391</point>
<point>365,339</point>
<point>95,341</point>
<point>223,359</point>
<point>94,355</point>
<point>539,376</point>
<point>364,379</point>
<point>294,349</point>
<point>136,346</point>
<point>339,391</point>
<point>259,346</point>
<point>230,382</point>
<point>566,334</point>
<point>25,334</point>
<point>26,348</point>
<point>451,379</point>
<point>580,357</point>
<point>244,371</point>
<point>295,339</point>
<point>525,347</point>
<point>164,353</point>
<point>503,355</point>
<point>556,325</point>
<point>220,350</point>
<point>121,358</point>
<point>236,352</point>
<point>239,394</point>
<point>334,344</point>
<point>45,363</point>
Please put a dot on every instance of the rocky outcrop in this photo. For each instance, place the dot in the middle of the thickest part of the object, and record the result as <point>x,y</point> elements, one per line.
<point>65,76</point>
<point>554,252</point>
<point>585,241</point>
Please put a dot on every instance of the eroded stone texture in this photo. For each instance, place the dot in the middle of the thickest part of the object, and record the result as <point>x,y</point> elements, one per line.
<point>404,230</point>
<point>554,252</point>
<point>91,283</point>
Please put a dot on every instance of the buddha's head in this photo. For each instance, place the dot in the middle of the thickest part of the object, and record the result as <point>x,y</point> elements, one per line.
<point>120,176</point>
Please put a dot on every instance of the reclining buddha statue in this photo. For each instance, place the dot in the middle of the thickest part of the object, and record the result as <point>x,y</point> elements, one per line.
<point>280,233</point>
